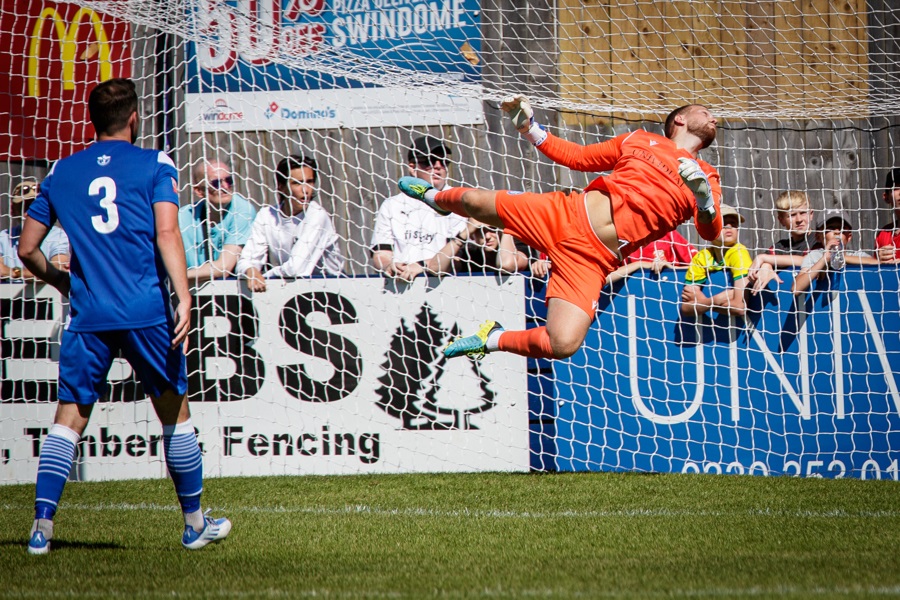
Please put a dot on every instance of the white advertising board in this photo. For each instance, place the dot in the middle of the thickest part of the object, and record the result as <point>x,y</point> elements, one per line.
<point>320,376</point>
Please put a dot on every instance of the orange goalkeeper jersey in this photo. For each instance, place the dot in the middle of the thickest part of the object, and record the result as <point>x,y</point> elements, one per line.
<point>649,198</point>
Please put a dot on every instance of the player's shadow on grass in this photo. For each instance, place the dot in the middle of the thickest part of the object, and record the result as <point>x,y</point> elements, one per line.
<point>57,544</point>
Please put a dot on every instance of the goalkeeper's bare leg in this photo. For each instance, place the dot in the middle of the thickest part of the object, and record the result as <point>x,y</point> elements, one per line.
<point>567,321</point>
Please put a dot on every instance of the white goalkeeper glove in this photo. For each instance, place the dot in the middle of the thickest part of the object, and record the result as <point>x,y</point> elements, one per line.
<point>522,116</point>
<point>696,181</point>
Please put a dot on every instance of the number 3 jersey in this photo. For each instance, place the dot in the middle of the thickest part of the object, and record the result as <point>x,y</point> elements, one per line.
<point>103,197</point>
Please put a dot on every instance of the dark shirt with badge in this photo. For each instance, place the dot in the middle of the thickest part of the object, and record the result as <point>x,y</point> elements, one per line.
<point>788,246</point>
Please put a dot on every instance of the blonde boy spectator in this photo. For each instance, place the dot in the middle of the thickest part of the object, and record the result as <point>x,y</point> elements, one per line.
<point>726,253</point>
<point>887,240</point>
<point>794,214</point>
<point>833,232</point>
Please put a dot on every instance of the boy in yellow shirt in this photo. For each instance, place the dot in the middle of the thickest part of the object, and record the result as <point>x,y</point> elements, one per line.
<point>725,253</point>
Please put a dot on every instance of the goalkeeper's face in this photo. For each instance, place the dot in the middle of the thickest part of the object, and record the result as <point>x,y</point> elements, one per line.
<point>436,172</point>
<point>702,124</point>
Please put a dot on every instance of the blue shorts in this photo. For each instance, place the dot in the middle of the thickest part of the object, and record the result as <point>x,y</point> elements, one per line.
<point>86,357</point>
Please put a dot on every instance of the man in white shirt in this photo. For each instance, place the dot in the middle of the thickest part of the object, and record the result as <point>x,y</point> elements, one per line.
<point>409,238</point>
<point>295,239</point>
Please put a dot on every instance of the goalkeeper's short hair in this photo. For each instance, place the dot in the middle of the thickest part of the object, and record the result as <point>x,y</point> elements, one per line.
<point>668,128</point>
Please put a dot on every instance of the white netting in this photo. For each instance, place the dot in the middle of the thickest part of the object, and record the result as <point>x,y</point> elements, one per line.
<point>750,60</point>
<point>345,372</point>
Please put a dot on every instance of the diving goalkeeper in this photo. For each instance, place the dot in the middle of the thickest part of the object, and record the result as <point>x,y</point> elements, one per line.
<point>656,184</point>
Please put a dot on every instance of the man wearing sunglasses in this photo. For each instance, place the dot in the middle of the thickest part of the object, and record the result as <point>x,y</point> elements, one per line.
<point>409,238</point>
<point>55,245</point>
<point>217,224</point>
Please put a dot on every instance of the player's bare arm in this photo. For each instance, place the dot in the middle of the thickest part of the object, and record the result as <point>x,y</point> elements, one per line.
<point>171,249</point>
<point>33,234</point>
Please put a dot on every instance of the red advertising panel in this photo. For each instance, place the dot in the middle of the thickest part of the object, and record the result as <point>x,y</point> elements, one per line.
<point>53,54</point>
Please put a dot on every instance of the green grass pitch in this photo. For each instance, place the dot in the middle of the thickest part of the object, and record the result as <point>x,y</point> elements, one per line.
<point>468,536</point>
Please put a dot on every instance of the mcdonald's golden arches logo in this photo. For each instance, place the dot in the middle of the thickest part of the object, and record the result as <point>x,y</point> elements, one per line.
<point>66,35</point>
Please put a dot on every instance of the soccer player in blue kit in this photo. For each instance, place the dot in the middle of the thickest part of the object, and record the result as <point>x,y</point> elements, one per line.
<point>119,205</point>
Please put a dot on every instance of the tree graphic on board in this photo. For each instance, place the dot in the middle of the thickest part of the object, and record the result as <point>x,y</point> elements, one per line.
<point>413,369</point>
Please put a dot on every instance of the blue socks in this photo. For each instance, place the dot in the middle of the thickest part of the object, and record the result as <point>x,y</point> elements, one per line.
<point>54,465</point>
<point>185,465</point>
<point>183,459</point>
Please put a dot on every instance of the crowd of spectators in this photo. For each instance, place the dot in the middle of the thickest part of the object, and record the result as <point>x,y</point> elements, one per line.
<point>294,236</point>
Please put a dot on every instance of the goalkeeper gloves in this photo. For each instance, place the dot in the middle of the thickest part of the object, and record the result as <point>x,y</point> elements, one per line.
<point>696,181</point>
<point>522,116</point>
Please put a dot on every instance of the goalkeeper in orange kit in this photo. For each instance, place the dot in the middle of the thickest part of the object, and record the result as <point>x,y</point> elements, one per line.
<point>656,184</point>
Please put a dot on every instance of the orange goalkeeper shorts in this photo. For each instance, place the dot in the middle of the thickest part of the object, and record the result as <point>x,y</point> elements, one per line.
<point>558,224</point>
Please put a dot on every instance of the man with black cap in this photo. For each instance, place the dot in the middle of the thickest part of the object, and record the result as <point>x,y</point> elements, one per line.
<point>887,240</point>
<point>55,245</point>
<point>409,237</point>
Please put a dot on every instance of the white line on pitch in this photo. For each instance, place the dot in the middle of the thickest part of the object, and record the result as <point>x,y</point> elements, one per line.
<point>483,513</point>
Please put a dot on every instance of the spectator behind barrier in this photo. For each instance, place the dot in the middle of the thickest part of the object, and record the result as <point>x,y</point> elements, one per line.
<point>725,253</point>
<point>671,251</point>
<point>834,230</point>
<point>295,239</point>
<point>887,240</point>
<point>488,250</point>
<point>794,214</point>
<point>55,246</point>
<point>217,224</point>
<point>410,238</point>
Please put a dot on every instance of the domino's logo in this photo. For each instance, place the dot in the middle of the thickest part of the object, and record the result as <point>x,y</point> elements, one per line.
<point>272,110</point>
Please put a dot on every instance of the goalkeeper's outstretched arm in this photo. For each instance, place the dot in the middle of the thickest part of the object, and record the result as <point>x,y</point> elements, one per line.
<point>591,158</point>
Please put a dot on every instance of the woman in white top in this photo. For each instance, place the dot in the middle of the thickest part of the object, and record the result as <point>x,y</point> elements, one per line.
<point>295,239</point>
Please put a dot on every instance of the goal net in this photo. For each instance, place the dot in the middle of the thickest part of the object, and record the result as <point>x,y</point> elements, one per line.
<point>343,373</point>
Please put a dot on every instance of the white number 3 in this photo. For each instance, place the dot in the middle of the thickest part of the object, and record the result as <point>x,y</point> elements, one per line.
<point>108,202</point>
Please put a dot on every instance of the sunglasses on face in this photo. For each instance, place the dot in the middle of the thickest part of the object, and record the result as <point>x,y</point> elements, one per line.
<point>438,162</point>
<point>218,184</point>
<point>25,190</point>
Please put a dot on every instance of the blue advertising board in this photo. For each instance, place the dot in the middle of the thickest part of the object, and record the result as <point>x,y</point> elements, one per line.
<point>803,386</point>
<point>254,64</point>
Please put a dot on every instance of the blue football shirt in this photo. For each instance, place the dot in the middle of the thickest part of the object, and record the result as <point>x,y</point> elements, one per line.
<point>103,197</point>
